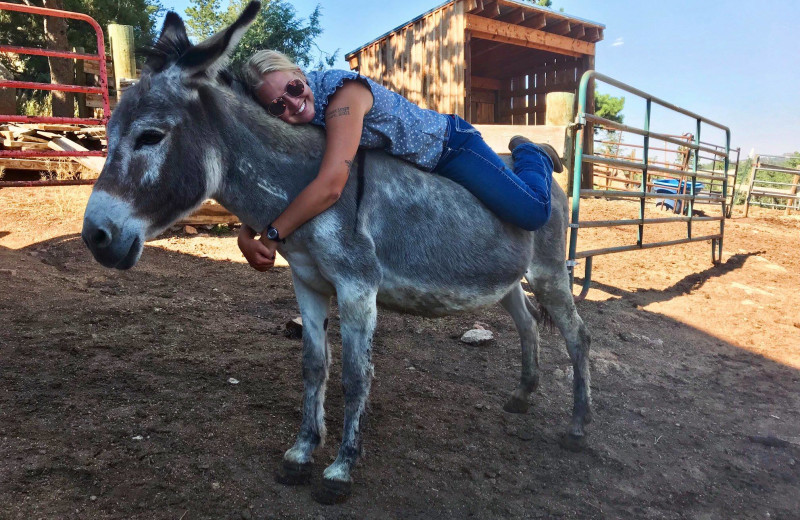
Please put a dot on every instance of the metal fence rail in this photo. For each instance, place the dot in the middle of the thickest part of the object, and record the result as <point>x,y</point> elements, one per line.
<point>100,57</point>
<point>783,195</point>
<point>686,175</point>
<point>716,187</point>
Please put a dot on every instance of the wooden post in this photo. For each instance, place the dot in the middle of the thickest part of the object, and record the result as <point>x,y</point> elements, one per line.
<point>80,79</point>
<point>559,108</point>
<point>560,111</point>
<point>587,179</point>
<point>792,192</point>
<point>755,167</point>
<point>122,52</point>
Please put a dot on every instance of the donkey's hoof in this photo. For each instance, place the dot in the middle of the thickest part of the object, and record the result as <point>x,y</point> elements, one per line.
<point>516,405</point>
<point>572,442</point>
<point>333,491</point>
<point>294,474</point>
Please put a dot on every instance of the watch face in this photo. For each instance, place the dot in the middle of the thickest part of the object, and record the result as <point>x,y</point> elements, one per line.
<point>272,234</point>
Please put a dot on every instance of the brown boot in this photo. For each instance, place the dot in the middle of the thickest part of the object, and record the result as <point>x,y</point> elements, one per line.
<point>516,141</point>
<point>549,150</point>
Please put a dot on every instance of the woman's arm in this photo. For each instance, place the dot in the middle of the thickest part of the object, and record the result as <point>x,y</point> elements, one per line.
<point>344,120</point>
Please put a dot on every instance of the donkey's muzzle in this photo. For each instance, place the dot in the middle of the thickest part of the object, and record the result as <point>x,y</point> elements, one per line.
<point>96,237</point>
<point>109,247</point>
<point>114,237</point>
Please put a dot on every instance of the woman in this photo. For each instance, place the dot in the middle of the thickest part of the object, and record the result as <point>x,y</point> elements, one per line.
<point>355,111</point>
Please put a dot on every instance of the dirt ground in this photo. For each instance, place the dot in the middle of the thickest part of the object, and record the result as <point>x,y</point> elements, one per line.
<point>115,400</point>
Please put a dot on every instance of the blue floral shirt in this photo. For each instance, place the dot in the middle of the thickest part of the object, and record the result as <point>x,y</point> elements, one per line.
<point>393,124</point>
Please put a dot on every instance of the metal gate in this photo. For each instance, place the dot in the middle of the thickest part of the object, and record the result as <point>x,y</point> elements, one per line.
<point>652,182</point>
<point>773,193</point>
<point>100,57</point>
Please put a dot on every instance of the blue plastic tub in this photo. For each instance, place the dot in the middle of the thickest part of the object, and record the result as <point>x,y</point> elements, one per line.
<point>671,186</point>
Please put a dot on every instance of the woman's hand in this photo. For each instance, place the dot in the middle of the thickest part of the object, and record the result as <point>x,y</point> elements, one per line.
<point>260,255</point>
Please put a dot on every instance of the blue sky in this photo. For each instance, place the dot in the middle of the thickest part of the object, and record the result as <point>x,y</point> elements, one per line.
<point>736,62</point>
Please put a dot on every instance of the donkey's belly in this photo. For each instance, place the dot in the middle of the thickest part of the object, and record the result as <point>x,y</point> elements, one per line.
<point>413,297</point>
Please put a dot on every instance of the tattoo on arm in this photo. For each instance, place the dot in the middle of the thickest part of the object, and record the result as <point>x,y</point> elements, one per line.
<point>343,111</point>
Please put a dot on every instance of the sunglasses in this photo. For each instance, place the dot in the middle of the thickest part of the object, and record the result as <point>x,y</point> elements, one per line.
<point>294,88</point>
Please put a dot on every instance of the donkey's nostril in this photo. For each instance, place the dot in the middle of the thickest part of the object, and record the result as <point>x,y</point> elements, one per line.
<point>100,237</point>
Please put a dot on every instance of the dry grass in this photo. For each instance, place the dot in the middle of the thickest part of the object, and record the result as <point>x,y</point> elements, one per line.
<point>65,169</point>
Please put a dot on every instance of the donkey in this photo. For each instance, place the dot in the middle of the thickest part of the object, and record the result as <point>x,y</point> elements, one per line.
<point>398,237</point>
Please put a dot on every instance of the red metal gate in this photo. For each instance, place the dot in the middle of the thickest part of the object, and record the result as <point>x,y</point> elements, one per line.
<point>102,90</point>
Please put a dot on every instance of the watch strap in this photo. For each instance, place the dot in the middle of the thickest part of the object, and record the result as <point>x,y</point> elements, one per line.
<point>272,232</point>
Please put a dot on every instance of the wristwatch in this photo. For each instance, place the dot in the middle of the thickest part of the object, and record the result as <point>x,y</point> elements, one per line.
<point>273,234</point>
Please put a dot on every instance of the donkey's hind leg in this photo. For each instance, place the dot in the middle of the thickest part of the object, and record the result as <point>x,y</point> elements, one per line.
<point>552,288</point>
<point>515,303</point>
<point>316,361</point>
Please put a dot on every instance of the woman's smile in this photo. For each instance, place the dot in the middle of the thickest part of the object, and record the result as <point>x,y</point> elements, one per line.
<point>296,109</point>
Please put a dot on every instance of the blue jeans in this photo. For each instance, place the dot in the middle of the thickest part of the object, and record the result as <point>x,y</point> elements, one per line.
<point>520,197</point>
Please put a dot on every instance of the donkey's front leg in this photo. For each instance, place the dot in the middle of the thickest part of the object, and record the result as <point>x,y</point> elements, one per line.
<point>357,314</point>
<point>316,360</point>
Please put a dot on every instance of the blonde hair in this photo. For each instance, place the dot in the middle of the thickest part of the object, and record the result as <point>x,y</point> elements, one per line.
<point>266,61</point>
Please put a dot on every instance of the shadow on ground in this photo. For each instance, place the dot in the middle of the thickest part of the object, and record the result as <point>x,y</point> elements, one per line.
<point>116,403</point>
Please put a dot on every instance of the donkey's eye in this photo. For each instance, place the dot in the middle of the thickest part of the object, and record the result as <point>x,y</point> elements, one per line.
<point>148,138</point>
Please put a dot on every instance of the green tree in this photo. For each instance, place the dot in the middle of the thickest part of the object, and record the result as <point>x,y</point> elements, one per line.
<point>202,18</point>
<point>276,27</point>
<point>609,107</point>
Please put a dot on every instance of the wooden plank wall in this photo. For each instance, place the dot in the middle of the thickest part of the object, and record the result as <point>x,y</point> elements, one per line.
<point>522,98</point>
<point>423,61</point>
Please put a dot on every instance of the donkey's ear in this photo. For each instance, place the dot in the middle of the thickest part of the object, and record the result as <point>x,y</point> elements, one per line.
<point>171,44</point>
<point>173,28</point>
<point>211,55</point>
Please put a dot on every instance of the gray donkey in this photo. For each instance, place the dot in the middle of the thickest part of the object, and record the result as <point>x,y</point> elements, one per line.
<point>398,237</point>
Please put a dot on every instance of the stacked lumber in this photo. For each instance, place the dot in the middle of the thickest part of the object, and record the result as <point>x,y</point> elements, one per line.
<point>43,136</point>
<point>47,136</point>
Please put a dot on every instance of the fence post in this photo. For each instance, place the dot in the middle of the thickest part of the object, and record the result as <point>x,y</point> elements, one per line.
<point>122,52</point>
<point>559,110</point>
<point>792,191</point>
<point>750,184</point>
<point>80,79</point>
<point>587,175</point>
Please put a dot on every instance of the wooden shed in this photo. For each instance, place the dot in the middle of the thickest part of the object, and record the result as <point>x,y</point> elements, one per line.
<point>491,62</point>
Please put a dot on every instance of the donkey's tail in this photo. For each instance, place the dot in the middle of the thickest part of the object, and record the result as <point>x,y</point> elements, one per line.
<point>539,313</point>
